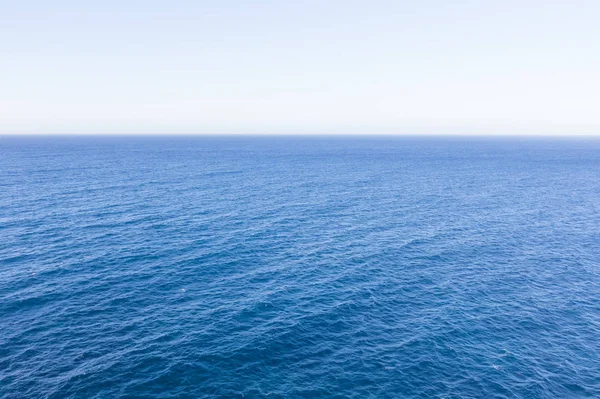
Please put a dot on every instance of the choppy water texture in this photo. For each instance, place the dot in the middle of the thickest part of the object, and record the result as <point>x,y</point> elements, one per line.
<point>299,268</point>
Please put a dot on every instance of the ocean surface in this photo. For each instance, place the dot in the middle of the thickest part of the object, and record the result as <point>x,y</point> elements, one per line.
<point>298,267</point>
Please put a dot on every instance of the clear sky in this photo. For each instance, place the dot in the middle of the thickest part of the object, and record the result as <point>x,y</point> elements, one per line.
<point>302,66</point>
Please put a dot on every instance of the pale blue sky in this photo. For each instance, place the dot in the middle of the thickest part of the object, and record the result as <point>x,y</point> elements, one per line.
<point>232,66</point>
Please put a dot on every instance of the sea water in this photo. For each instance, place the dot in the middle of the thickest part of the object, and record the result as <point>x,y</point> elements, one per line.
<point>140,267</point>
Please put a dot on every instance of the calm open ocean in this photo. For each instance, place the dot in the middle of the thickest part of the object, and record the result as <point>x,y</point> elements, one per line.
<point>299,268</point>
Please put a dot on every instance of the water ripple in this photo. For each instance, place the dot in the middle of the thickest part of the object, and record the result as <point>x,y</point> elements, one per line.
<point>290,268</point>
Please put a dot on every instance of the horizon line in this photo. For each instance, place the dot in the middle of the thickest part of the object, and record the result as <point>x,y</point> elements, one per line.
<point>307,135</point>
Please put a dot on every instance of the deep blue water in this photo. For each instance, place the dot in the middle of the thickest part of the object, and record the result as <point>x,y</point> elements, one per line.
<point>299,268</point>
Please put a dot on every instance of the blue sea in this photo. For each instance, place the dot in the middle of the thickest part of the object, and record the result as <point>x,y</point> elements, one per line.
<point>298,267</point>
